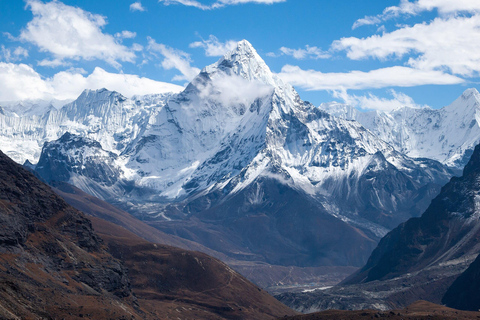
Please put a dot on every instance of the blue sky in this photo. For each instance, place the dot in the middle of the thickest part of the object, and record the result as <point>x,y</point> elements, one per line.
<point>376,54</point>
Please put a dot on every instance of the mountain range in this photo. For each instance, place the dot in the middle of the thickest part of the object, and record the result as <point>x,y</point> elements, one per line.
<point>448,135</point>
<point>238,163</point>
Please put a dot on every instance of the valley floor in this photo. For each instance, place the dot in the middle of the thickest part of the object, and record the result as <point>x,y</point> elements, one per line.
<point>417,311</point>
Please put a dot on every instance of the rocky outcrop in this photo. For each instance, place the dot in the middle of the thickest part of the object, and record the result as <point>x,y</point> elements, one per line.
<point>51,260</point>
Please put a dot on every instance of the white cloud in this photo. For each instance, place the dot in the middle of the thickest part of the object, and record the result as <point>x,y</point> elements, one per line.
<point>373,102</point>
<point>53,63</point>
<point>137,6</point>
<point>213,47</point>
<point>219,89</point>
<point>137,47</point>
<point>218,3</point>
<point>12,55</point>
<point>189,3</point>
<point>125,34</point>
<point>444,7</point>
<point>444,44</point>
<point>71,33</point>
<point>174,59</point>
<point>22,82</point>
<point>381,78</point>
<point>307,53</point>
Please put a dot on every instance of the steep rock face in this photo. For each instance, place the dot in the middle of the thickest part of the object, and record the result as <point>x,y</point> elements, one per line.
<point>49,252</point>
<point>448,135</point>
<point>463,293</point>
<point>448,230</point>
<point>81,161</point>
<point>199,156</point>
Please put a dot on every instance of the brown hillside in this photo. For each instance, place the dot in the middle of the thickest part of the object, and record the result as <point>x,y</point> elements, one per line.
<point>174,283</point>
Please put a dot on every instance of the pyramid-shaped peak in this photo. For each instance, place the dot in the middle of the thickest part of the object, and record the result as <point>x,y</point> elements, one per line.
<point>245,48</point>
<point>467,104</point>
<point>243,61</point>
<point>470,93</point>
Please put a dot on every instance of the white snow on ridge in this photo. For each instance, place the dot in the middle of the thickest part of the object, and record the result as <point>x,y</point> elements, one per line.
<point>446,135</point>
<point>102,115</point>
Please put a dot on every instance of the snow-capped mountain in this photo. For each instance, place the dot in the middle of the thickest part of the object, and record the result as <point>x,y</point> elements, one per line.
<point>239,163</point>
<point>102,115</point>
<point>83,162</point>
<point>31,107</point>
<point>448,135</point>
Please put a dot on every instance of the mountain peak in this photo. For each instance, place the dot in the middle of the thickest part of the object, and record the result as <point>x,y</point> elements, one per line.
<point>100,93</point>
<point>467,104</point>
<point>95,100</point>
<point>243,61</point>
<point>245,48</point>
<point>470,93</point>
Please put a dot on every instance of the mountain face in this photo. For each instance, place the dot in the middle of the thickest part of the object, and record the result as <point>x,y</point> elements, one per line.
<point>420,310</point>
<point>448,135</point>
<point>237,156</point>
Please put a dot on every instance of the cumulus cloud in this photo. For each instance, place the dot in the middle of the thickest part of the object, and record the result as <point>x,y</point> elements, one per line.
<point>174,59</point>
<point>451,44</point>
<point>21,82</point>
<point>380,78</point>
<point>373,102</point>
<point>71,33</point>
<point>218,3</point>
<point>444,7</point>
<point>213,47</point>
<point>307,53</point>
<point>137,6</point>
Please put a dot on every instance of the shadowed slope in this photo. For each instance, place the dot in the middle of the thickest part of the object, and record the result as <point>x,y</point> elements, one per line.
<point>464,292</point>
